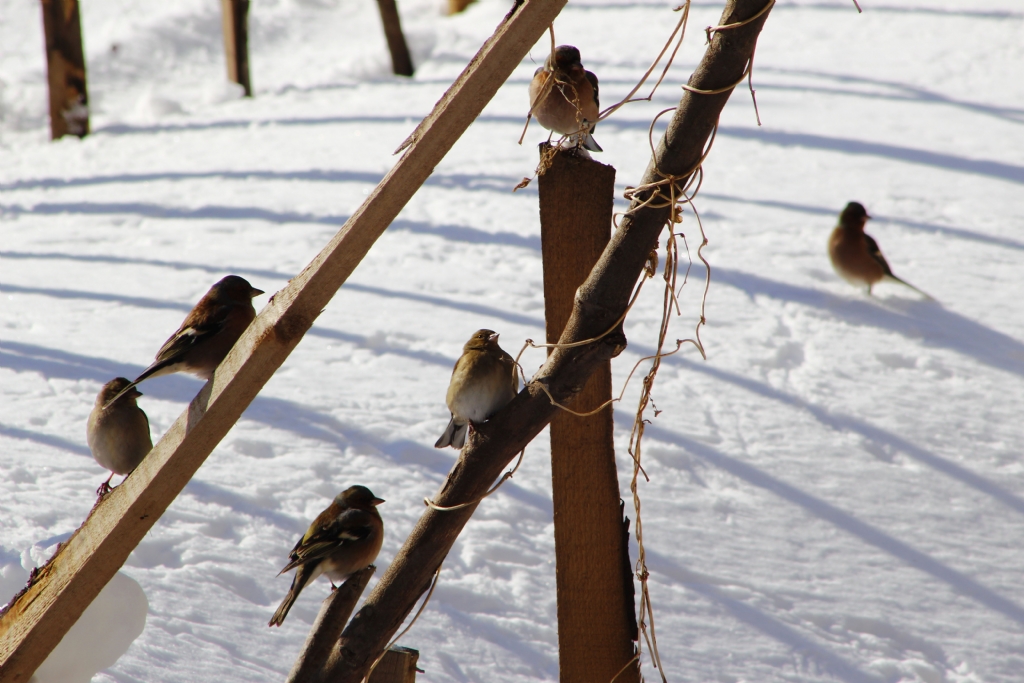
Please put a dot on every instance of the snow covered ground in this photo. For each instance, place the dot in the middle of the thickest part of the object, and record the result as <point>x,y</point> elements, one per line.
<point>836,494</point>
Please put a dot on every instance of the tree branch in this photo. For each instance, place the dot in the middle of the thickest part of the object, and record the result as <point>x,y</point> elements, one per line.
<point>600,302</point>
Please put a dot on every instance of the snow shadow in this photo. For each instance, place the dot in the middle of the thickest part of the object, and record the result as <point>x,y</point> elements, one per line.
<point>959,582</point>
<point>847,423</point>
<point>455,233</point>
<point>904,92</point>
<point>462,181</point>
<point>992,169</point>
<point>926,322</point>
<point>829,662</point>
<point>40,438</point>
<point>315,331</point>
<point>274,412</point>
<point>833,214</point>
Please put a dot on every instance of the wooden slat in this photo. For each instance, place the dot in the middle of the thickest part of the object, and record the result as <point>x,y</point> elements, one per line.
<point>37,621</point>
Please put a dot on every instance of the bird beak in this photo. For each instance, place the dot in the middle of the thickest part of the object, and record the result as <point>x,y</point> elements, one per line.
<point>868,216</point>
<point>136,393</point>
<point>255,293</point>
<point>493,338</point>
<point>376,501</point>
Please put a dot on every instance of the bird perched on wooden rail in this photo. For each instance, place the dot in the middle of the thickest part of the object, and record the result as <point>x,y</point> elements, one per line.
<point>343,539</point>
<point>855,254</point>
<point>118,431</point>
<point>483,381</point>
<point>209,331</point>
<point>564,97</point>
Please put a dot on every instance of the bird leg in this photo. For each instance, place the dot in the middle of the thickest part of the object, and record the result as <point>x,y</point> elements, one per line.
<point>105,487</point>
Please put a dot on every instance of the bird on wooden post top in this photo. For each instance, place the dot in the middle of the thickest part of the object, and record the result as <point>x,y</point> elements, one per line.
<point>564,97</point>
<point>209,331</point>
<point>855,254</point>
<point>344,538</point>
<point>483,382</point>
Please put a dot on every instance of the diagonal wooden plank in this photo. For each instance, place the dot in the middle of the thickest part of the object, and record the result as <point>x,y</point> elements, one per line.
<point>38,619</point>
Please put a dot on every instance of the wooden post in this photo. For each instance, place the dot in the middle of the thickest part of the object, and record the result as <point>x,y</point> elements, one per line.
<point>65,69</point>
<point>398,665</point>
<point>596,614</point>
<point>333,616</point>
<point>33,623</point>
<point>235,21</point>
<point>401,62</point>
<point>456,6</point>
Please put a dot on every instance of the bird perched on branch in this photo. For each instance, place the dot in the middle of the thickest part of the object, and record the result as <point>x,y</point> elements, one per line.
<point>343,539</point>
<point>564,97</point>
<point>210,330</point>
<point>118,431</point>
<point>483,381</point>
<point>855,255</point>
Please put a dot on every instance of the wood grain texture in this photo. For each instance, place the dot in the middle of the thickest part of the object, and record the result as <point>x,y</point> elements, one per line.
<point>333,615</point>
<point>34,624</point>
<point>398,665</point>
<point>65,69</point>
<point>595,612</point>
<point>600,301</point>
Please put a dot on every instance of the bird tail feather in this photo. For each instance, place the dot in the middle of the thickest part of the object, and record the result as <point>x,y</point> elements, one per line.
<point>449,433</point>
<point>298,583</point>
<point>926,295</point>
<point>459,438</point>
<point>590,143</point>
<point>151,371</point>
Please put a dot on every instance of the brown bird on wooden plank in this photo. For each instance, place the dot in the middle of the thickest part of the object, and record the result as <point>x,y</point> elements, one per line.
<point>483,381</point>
<point>118,431</point>
<point>209,331</point>
<point>343,539</point>
<point>855,254</point>
<point>564,97</point>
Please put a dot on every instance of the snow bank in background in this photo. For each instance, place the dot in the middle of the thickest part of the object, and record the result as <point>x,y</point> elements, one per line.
<point>103,633</point>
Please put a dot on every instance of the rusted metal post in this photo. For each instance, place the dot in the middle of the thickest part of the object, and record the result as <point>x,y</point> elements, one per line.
<point>235,21</point>
<point>401,62</point>
<point>596,613</point>
<point>65,69</point>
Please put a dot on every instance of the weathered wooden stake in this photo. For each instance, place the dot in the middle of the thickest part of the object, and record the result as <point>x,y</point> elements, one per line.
<point>333,616</point>
<point>596,614</point>
<point>401,62</point>
<point>235,20</point>
<point>398,665</point>
<point>456,6</point>
<point>65,69</point>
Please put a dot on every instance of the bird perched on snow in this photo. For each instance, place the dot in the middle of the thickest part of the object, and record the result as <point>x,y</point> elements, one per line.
<point>343,539</point>
<point>564,97</point>
<point>118,433</point>
<point>483,381</point>
<point>855,255</point>
<point>210,330</point>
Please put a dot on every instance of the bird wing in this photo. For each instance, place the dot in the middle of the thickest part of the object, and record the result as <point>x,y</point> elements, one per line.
<point>593,81</point>
<point>876,254</point>
<point>202,323</point>
<point>326,536</point>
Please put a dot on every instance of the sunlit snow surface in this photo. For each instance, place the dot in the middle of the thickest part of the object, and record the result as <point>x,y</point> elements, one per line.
<point>836,494</point>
